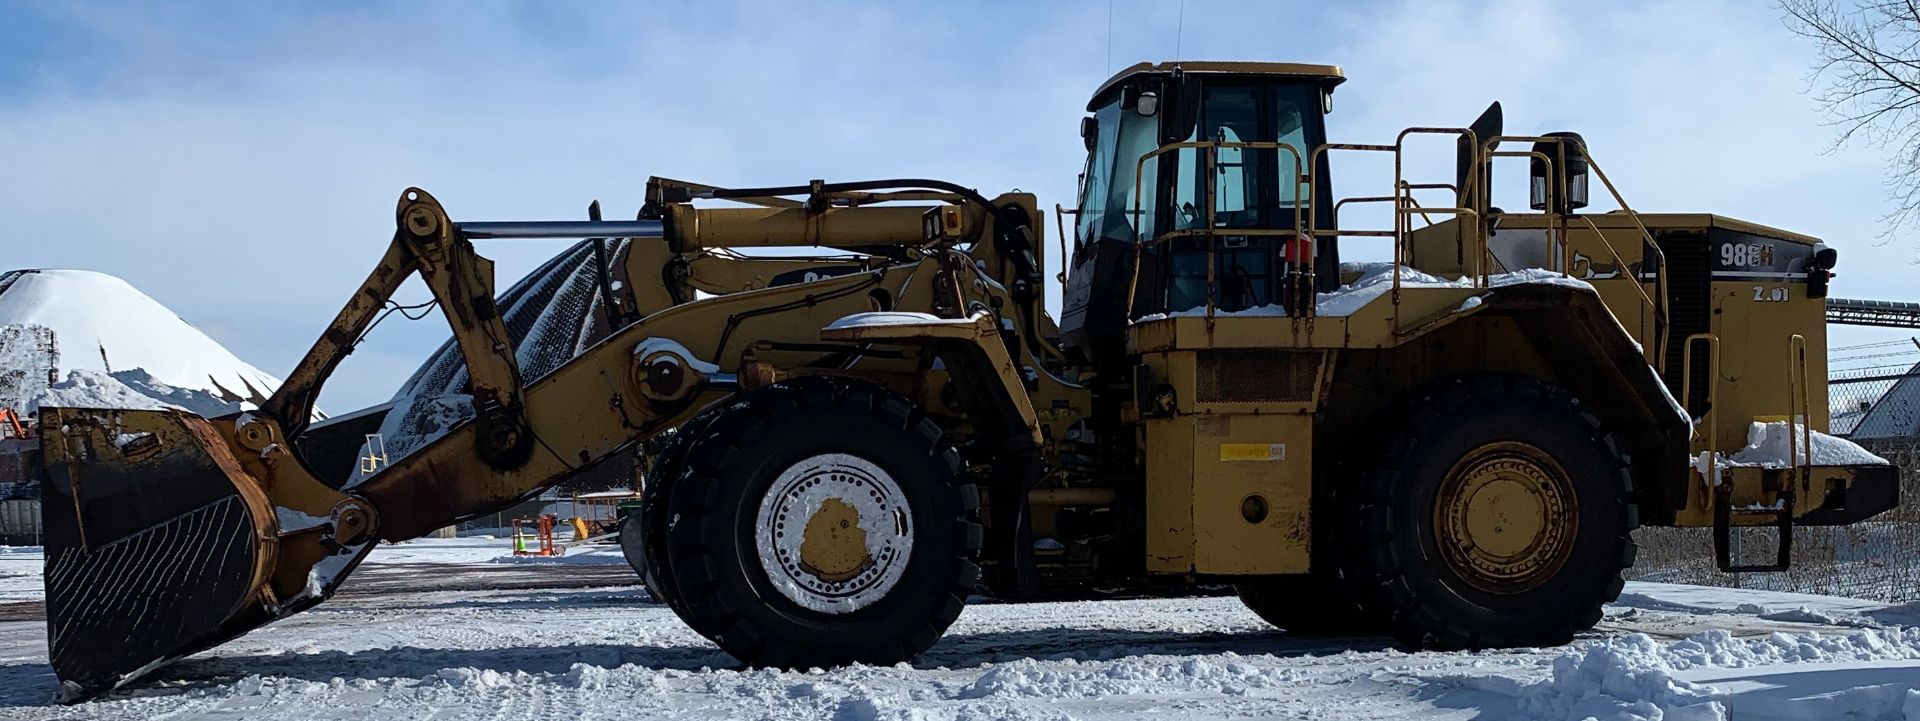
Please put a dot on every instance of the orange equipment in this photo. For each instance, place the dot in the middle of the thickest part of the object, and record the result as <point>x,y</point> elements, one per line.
<point>542,533</point>
<point>11,427</point>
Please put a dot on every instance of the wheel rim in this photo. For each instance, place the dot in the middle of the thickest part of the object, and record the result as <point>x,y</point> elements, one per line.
<point>834,533</point>
<point>1506,517</point>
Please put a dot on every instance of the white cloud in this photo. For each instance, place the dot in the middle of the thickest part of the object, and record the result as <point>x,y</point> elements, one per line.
<point>242,170</point>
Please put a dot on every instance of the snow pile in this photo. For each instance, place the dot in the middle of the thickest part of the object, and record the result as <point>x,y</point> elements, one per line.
<point>1634,678</point>
<point>29,360</point>
<point>1623,679</point>
<point>1770,444</point>
<point>199,401</point>
<point>1768,447</point>
<point>1376,279</point>
<point>93,389</point>
<point>128,390</point>
<point>104,325</point>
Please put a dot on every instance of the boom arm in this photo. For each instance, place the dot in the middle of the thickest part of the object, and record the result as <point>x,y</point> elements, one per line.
<point>426,242</point>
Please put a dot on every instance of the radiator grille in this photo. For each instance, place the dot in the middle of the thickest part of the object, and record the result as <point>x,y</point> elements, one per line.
<point>1689,311</point>
<point>1255,376</point>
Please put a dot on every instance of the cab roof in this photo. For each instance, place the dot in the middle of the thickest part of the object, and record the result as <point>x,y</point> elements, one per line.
<point>1329,75</point>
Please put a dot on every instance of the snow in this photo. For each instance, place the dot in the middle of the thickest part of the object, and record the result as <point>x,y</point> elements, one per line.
<point>93,389</point>
<point>196,400</point>
<point>651,346</point>
<point>1636,677</point>
<point>1375,280</point>
<point>1710,600</point>
<point>104,325</point>
<point>490,550</point>
<point>296,520</point>
<point>889,318</point>
<point>1768,447</point>
<point>413,636</point>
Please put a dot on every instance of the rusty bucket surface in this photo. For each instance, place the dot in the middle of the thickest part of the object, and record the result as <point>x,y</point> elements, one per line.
<point>158,544</point>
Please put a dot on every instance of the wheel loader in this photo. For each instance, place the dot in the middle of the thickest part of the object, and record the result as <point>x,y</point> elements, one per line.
<point>1450,447</point>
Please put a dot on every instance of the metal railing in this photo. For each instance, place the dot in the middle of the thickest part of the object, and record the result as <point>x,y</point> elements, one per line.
<point>1302,182</point>
<point>1706,429</point>
<point>1657,303</point>
<point>1471,232</point>
<point>1799,414</point>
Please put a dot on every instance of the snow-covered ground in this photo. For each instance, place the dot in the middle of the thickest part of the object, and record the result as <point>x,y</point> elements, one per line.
<point>441,629</point>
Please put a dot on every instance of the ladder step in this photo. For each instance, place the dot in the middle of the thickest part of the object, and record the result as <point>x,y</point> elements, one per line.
<point>1723,515</point>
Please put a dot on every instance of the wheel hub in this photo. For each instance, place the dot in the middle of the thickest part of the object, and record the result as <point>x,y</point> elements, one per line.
<point>1506,517</point>
<point>833,533</point>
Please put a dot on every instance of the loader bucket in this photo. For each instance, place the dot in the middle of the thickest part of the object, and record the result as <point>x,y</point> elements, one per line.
<point>158,544</point>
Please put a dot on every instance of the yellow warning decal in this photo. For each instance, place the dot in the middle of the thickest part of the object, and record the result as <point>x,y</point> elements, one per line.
<point>1253,451</point>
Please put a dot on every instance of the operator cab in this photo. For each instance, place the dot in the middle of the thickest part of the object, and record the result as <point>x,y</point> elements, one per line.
<point>1186,162</point>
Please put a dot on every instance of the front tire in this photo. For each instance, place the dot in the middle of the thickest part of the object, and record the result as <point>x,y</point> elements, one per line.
<point>1497,514</point>
<point>821,523</point>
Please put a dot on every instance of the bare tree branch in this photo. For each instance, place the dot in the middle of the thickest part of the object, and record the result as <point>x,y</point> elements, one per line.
<point>1867,81</point>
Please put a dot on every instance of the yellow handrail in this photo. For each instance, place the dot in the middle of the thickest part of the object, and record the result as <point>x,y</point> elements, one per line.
<point>1473,194</point>
<point>1799,411</point>
<point>1212,148</point>
<point>1659,256</point>
<point>1060,214</point>
<point>1707,416</point>
<point>1659,323</point>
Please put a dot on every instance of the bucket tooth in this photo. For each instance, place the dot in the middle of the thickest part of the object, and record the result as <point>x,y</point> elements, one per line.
<point>158,544</point>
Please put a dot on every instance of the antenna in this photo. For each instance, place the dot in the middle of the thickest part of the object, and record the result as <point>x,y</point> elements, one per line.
<point>1181,32</point>
<point>1109,35</point>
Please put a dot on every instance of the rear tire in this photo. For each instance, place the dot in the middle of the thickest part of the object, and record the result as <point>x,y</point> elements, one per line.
<point>1497,514</point>
<point>1312,605</point>
<point>820,523</point>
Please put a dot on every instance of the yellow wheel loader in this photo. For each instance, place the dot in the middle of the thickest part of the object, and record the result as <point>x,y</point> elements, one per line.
<point>1450,447</point>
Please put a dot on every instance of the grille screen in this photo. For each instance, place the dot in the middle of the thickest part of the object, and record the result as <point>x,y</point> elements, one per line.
<point>1254,376</point>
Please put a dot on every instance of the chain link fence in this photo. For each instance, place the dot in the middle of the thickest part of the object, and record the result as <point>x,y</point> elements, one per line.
<point>1878,559</point>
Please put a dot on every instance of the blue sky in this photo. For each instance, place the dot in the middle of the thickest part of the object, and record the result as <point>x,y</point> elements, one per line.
<point>239,161</point>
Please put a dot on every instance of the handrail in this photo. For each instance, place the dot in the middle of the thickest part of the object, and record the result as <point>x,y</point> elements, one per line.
<point>1473,194</point>
<point>1060,214</point>
<point>1659,255</point>
<point>1212,148</point>
<point>1556,232</point>
<point>1799,411</point>
<point>1622,264</point>
<point>1402,218</point>
<point>1707,416</point>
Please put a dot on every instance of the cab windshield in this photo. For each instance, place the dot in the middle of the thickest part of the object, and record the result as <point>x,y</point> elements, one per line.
<point>1108,207</point>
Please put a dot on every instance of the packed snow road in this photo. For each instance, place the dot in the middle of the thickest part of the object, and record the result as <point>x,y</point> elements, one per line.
<point>448,630</point>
